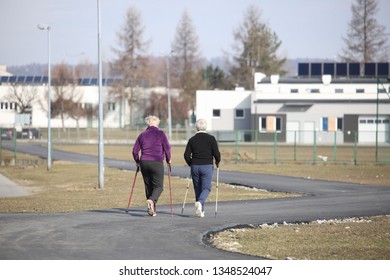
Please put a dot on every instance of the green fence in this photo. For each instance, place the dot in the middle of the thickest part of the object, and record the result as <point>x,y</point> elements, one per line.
<point>313,147</point>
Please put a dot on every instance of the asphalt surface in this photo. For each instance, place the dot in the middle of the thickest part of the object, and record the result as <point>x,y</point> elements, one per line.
<point>114,234</point>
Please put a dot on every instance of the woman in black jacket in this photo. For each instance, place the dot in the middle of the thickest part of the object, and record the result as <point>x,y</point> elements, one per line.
<point>200,151</point>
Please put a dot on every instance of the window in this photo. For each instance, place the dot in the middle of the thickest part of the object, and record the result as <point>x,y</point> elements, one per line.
<point>360,90</point>
<point>324,124</point>
<point>381,90</point>
<point>240,114</point>
<point>315,90</point>
<point>263,124</point>
<point>270,124</point>
<point>216,113</point>
<point>294,90</point>
<point>331,124</point>
<point>111,106</point>
<point>340,124</point>
<point>339,90</point>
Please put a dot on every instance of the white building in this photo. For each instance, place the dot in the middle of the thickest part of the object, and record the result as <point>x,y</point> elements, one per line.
<point>85,94</point>
<point>328,108</point>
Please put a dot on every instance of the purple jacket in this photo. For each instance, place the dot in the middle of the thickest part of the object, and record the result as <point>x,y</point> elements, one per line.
<point>153,144</point>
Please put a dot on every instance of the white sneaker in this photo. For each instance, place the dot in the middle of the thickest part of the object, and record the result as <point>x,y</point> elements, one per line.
<point>151,208</point>
<point>198,210</point>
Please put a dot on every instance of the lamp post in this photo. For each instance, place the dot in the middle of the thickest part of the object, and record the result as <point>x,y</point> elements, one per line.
<point>101,138</point>
<point>169,98</point>
<point>48,28</point>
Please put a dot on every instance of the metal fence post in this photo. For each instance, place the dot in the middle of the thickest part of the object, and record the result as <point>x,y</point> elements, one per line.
<point>275,145</point>
<point>335,146</point>
<point>236,145</point>
<point>295,145</point>
<point>355,148</point>
<point>314,146</point>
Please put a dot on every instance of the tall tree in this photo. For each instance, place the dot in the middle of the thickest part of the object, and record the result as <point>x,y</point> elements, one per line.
<point>131,62</point>
<point>255,47</point>
<point>185,62</point>
<point>366,40</point>
<point>214,78</point>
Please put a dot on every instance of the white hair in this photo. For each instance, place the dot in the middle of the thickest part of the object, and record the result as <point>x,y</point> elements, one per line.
<point>152,120</point>
<point>201,125</point>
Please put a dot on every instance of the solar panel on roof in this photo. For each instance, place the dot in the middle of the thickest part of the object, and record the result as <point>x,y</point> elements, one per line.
<point>20,79</point>
<point>29,79</point>
<point>37,79</point>
<point>12,79</point>
<point>4,79</point>
<point>303,69</point>
<point>45,80</point>
<point>383,69</point>
<point>370,69</point>
<point>354,69</point>
<point>316,69</point>
<point>341,69</point>
<point>94,81</point>
<point>329,68</point>
<point>85,81</point>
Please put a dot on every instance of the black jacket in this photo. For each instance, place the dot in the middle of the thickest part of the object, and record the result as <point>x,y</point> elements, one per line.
<point>201,149</point>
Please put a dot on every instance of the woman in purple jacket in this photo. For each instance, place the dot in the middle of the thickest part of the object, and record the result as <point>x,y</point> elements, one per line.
<point>153,145</point>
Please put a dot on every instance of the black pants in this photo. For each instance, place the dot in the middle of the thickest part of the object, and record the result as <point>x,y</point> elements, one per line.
<point>153,175</point>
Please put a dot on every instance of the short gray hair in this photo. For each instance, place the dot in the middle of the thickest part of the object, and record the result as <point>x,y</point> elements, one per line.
<point>201,125</point>
<point>152,120</point>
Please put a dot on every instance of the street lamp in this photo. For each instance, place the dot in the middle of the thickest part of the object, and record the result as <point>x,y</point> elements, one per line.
<point>169,98</point>
<point>48,28</point>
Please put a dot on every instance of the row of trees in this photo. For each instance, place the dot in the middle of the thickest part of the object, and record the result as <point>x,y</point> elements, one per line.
<point>255,49</point>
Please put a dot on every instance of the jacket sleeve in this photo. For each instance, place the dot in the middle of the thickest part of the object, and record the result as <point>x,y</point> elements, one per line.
<point>166,147</point>
<point>187,154</point>
<point>215,150</point>
<point>136,149</point>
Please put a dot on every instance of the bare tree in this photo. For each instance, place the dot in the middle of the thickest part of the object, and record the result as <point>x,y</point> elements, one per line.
<point>158,105</point>
<point>64,94</point>
<point>255,47</point>
<point>23,96</point>
<point>131,62</point>
<point>185,62</point>
<point>366,40</point>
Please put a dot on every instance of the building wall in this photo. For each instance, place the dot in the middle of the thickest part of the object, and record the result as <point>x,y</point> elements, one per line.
<point>227,102</point>
<point>116,114</point>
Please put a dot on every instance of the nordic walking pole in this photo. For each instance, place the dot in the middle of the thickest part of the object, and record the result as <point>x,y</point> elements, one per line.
<point>170,188</point>
<point>185,197</point>
<point>216,193</point>
<point>132,189</point>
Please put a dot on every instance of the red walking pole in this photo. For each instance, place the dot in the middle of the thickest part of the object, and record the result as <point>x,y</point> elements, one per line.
<point>132,189</point>
<point>170,189</point>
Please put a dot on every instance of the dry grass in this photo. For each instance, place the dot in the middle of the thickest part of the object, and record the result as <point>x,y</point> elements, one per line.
<point>65,189</point>
<point>352,239</point>
<point>73,187</point>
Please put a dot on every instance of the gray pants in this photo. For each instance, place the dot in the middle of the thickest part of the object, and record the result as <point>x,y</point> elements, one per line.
<point>153,175</point>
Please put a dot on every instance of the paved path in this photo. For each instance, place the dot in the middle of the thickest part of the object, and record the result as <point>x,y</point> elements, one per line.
<point>115,234</point>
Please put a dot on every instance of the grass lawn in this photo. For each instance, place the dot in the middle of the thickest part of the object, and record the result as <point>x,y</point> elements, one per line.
<point>65,189</point>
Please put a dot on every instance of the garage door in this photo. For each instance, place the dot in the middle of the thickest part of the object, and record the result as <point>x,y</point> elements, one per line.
<point>367,129</point>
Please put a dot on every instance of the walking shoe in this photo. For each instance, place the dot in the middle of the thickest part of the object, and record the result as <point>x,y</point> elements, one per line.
<point>151,208</point>
<point>198,210</point>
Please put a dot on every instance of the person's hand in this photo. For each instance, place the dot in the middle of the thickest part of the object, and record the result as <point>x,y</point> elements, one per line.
<point>217,164</point>
<point>137,166</point>
<point>169,166</point>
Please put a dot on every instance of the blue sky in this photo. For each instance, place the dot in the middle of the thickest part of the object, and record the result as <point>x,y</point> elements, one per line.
<point>307,28</point>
